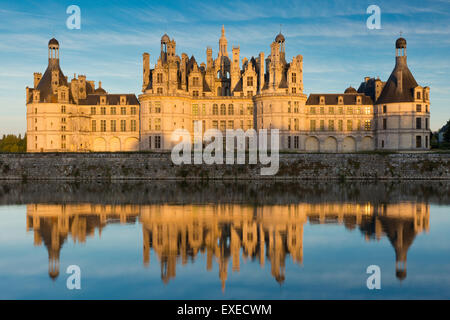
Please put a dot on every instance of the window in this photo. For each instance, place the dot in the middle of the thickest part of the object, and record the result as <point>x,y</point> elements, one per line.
<point>215,109</point>
<point>312,110</point>
<point>158,124</point>
<point>215,124</point>
<point>358,126</point>
<point>159,91</point>
<point>250,109</point>
<point>289,107</point>
<point>157,107</point>
<point>230,109</point>
<point>296,124</point>
<point>367,110</point>
<point>426,141</point>
<point>93,110</point>
<point>426,123</point>
<point>294,90</point>
<point>133,125</point>
<point>418,95</point>
<point>249,81</point>
<point>159,78</point>
<point>296,108</point>
<point>149,124</point>
<point>289,142</point>
<point>384,124</point>
<point>296,142</point>
<point>384,108</point>
<point>123,111</point>
<point>418,123</point>
<point>195,82</point>
<point>322,110</point>
<point>322,125</point>
<point>294,77</point>
<point>367,125</point>
<point>113,110</point>
<point>123,125</point>
<point>241,109</point>
<point>418,141</point>
<point>341,125</point>
<point>133,110</point>
<point>63,128</point>
<point>222,125</point>
<point>349,110</point>
<point>195,93</point>
<point>249,93</point>
<point>63,120</point>
<point>149,142</point>
<point>223,110</point>
<point>230,124</point>
<point>312,125</point>
<point>63,109</point>
<point>341,110</point>
<point>158,142</point>
<point>195,109</point>
<point>331,125</point>
<point>102,125</point>
<point>204,109</point>
<point>103,110</point>
<point>358,110</point>
<point>349,125</point>
<point>331,110</point>
<point>418,108</point>
<point>94,126</point>
<point>113,126</point>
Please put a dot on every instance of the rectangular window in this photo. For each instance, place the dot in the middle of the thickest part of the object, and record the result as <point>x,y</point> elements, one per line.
<point>195,109</point>
<point>158,124</point>
<point>102,125</point>
<point>312,110</point>
<point>215,109</point>
<point>133,125</point>
<point>230,110</point>
<point>418,141</point>
<point>331,110</point>
<point>222,125</point>
<point>289,142</point>
<point>113,110</point>
<point>331,125</point>
<point>341,110</point>
<point>296,107</point>
<point>349,110</point>
<point>158,142</point>
<point>249,124</point>
<point>312,125</point>
<point>94,126</point>
<point>249,81</point>
<point>123,125</point>
<point>159,78</point>
<point>204,109</point>
<point>384,109</point>
<point>418,108</point>
<point>230,124</point>
<point>195,93</point>
<point>250,109</point>
<point>367,110</point>
<point>322,110</point>
<point>384,124</point>
<point>296,124</point>
<point>418,123</point>
<point>296,142</point>
<point>294,77</point>
<point>322,125</point>
<point>215,124</point>
<point>341,125</point>
<point>367,125</point>
<point>241,109</point>
<point>223,110</point>
<point>63,109</point>
<point>93,110</point>
<point>113,126</point>
<point>289,107</point>
<point>123,111</point>
<point>349,125</point>
<point>426,123</point>
<point>149,142</point>
<point>133,110</point>
<point>157,107</point>
<point>103,110</point>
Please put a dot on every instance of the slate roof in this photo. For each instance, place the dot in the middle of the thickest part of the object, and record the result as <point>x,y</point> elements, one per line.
<point>332,98</point>
<point>111,99</point>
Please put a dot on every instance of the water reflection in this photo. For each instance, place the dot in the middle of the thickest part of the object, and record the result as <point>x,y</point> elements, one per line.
<point>229,232</point>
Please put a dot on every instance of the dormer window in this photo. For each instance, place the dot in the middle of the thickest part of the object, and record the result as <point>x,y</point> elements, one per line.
<point>294,77</point>
<point>340,100</point>
<point>358,100</point>
<point>102,100</point>
<point>418,95</point>
<point>123,100</point>
<point>322,100</point>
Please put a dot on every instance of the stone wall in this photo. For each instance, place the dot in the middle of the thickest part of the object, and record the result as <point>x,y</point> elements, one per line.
<point>158,166</point>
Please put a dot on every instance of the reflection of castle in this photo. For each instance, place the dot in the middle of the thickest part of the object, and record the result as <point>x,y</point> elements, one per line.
<point>225,232</point>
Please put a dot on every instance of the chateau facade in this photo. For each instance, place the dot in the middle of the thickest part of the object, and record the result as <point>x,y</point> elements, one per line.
<point>227,93</point>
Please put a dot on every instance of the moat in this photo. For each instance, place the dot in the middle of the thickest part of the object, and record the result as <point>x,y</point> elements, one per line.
<point>225,240</point>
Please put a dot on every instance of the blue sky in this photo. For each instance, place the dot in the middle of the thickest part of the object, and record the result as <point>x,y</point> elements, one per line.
<point>338,50</point>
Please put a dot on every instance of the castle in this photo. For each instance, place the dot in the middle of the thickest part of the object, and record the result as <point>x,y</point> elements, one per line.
<point>226,93</point>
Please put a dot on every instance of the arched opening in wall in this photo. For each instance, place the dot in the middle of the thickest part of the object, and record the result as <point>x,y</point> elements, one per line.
<point>227,75</point>
<point>99,145</point>
<point>114,144</point>
<point>329,145</point>
<point>312,144</point>
<point>349,144</point>
<point>367,144</point>
<point>131,144</point>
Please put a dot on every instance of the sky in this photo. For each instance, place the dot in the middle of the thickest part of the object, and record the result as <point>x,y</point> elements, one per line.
<point>332,36</point>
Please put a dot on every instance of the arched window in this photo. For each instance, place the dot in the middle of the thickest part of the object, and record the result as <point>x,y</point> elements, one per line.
<point>223,110</point>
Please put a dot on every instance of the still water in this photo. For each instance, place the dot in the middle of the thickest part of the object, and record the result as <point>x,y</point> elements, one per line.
<point>168,240</point>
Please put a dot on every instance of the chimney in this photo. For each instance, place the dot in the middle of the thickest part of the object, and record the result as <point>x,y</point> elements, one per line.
<point>146,73</point>
<point>37,78</point>
<point>261,71</point>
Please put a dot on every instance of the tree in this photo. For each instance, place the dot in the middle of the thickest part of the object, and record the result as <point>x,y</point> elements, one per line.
<point>12,143</point>
<point>447,132</point>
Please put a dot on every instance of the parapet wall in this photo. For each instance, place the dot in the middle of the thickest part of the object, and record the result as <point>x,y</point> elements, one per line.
<point>158,166</point>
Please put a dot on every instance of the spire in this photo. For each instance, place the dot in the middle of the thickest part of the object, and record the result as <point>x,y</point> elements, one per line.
<point>223,44</point>
<point>223,31</point>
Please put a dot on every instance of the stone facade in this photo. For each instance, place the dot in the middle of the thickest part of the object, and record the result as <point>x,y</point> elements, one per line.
<point>76,117</point>
<point>227,93</point>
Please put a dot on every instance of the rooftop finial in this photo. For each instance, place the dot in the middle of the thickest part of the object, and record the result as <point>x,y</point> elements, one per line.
<point>223,31</point>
